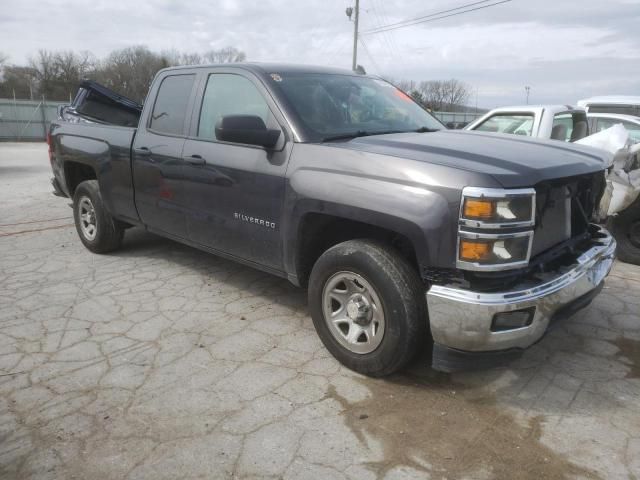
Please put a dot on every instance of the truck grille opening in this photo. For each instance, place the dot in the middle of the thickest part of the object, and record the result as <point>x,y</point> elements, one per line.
<point>564,209</point>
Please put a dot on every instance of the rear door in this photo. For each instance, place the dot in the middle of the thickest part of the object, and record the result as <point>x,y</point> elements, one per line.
<point>235,191</point>
<point>158,172</point>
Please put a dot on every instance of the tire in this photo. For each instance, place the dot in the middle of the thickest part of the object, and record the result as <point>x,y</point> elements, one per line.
<point>89,211</point>
<point>626,230</point>
<point>393,288</point>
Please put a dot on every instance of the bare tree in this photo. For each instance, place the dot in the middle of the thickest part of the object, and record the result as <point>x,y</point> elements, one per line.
<point>57,74</point>
<point>71,68</point>
<point>225,55</point>
<point>406,86</point>
<point>456,93</point>
<point>174,57</point>
<point>45,68</point>
<point>129,71</point>
<point>432,94</point>
<point>18,81</point>
<point>443,95</point>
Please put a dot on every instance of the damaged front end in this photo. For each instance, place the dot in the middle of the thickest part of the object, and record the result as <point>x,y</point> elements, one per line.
<point>620,204</point>
<point>623,174</point>
<point>482,316</point>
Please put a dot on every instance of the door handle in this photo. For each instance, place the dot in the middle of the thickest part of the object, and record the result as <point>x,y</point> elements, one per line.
<point>142,151</point>
<point>195,160</point>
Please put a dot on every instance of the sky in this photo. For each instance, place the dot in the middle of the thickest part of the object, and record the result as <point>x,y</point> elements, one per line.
<point>563,49</point>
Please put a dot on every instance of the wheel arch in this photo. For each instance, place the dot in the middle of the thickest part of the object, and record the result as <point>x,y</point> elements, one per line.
<point>75,173</point>
<point>317,230</point>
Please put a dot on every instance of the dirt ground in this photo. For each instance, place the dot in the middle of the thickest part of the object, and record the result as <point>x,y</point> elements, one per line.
<point>159,361</point>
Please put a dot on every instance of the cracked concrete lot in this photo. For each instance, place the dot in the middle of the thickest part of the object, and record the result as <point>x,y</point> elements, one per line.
<point>163,362</point>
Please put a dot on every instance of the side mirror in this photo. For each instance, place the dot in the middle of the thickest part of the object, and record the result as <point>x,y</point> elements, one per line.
<point>249,129</point>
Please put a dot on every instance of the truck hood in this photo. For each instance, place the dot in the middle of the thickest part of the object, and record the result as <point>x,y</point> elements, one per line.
<point>511,160</point>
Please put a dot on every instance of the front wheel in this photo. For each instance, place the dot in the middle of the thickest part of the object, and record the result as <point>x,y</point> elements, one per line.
<point>368,307</point>
<point>97,229</point>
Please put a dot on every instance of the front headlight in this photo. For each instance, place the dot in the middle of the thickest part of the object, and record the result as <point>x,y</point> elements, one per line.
<point>494,250</point>
<point>495,208</point>
<point>492,234</point>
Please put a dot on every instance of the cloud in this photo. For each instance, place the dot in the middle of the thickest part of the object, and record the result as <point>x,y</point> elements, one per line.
<point>563,50</point>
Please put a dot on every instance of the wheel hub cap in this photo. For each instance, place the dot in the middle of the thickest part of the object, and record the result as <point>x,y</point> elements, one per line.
<point>353,312</point>
<point>358,310</point>
<point>87,218</point>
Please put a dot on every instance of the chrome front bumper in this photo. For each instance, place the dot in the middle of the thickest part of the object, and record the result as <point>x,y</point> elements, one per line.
<point>462,319</point>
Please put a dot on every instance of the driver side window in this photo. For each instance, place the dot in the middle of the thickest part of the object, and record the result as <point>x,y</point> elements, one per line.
<point>230,94</point>
<point>516,123</point>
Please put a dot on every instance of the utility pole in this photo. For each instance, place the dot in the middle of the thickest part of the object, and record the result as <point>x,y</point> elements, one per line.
<point>350,11</point>
<point>527,89</point>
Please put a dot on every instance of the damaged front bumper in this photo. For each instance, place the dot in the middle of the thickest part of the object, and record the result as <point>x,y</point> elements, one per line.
<point>463,322</point>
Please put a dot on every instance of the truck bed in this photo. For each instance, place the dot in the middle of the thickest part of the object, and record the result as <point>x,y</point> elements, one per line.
<point>104,148</point>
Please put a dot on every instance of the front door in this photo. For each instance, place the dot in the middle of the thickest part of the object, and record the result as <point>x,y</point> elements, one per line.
<point>157,158</point>
<point>235,192</point>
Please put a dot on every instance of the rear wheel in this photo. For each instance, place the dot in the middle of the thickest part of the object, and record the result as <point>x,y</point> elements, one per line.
<point>97,229</point>
<point>626,230</point>
<point>368,307</point>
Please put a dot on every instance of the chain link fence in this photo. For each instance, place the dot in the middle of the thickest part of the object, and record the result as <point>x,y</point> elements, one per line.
<point>26,120</point>
<point>456,119</point>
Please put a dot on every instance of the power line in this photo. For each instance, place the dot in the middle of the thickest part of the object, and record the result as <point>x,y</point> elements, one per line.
<point>334,53</point>
<point>431,15</point>
<point>385,36</point>
<point>366,50</point>
<point>391,35</point>
<point>430,18</point>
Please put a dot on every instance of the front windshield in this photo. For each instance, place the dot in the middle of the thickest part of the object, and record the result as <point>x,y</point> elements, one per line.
<point>333,105</point>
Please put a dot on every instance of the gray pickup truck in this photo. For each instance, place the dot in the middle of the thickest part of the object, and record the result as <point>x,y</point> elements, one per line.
<point>407,236</point>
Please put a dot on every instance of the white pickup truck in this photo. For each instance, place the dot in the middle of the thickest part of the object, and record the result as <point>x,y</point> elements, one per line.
<point>556,122</point>
<point>570,124</point>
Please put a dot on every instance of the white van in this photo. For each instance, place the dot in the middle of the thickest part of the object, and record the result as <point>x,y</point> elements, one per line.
<point>622,104</point>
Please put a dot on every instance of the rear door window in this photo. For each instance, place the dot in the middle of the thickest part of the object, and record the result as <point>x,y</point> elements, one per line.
<point>172,101</point>
<point>562,127</point>
<point>514,123</point>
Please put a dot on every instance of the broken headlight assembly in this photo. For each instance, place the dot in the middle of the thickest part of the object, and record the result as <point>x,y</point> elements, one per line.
<point>495,229</point>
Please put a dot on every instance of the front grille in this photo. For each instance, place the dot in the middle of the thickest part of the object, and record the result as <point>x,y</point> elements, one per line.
<point>564,209</point>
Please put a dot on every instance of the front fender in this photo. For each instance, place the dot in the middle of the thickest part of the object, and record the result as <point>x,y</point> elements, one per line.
<point>421,215</point>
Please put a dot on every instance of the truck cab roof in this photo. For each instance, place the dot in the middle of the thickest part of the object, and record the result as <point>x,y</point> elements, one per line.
<point>261,68</point>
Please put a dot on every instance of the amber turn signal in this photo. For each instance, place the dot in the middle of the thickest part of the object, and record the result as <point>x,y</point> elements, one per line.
<point>478,208</point>
<point>471,250</point>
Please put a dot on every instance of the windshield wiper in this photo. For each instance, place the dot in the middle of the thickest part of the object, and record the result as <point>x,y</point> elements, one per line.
<point>366,133</point>
<point>359,133</point>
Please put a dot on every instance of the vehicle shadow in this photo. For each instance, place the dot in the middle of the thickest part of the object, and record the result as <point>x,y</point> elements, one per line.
<point>139,243</point>
<point>589,347</point>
